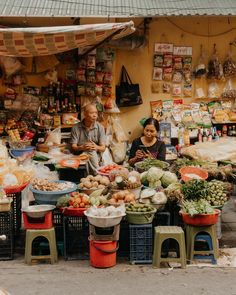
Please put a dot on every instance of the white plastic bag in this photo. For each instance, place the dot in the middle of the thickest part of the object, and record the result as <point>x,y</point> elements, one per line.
<point>118,151</point>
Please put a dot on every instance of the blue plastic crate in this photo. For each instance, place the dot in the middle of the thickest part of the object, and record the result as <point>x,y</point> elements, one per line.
<point>141,243</point>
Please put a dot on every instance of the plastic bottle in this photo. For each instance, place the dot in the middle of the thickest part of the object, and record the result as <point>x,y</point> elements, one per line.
<point>181,136</point>
<point>186,137</point>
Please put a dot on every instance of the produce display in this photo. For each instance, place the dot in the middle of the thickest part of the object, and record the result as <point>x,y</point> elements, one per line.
<point>217,192</point>
<point>94,182</point>
<point>140,208</point>
<point>152,197</point>
<point>149,162</point>
<point>79,200</point>
<point>197,207</point>
<point>156,177</point>
<point>107,169</point>
<point>127,181</point>
<point>106,211</point>
<point>45,185</point>
<point>122,197</point>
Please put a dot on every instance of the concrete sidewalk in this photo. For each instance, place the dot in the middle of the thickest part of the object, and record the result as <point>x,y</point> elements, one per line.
<point>228,225</point>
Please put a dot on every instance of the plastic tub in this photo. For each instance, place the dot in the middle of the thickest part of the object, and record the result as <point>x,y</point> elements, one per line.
<point>188,170</point>
<point>106,221</point>
<point>200,219</point>
<point>15,153</point>
<point>37,211</point>
<point>51,197</point>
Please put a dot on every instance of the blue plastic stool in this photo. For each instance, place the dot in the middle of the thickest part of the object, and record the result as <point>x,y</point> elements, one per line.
<point>207,239</point>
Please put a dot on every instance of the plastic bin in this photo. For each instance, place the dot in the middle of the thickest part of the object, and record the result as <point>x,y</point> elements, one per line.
<point>57,220</point>
<point>44,222</point>
<point>16,210</point>
<point>75,237</point>
<point>141,243</point>
<point>6,236</point>
<point>124,247</point>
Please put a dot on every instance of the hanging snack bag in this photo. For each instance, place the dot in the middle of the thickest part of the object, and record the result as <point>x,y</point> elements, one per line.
<point>229,66</point>
<point>158,60</point>
<point>99,77</point>
<point>166,87</point>
<point>213,90</point>
<point>91,62</point>
<point>176,90</point>
<point>187,90</point>
<point>187,63</point>
<point>178,63</point>
<point>168,60</point>
<point>107,78</point>
<point>80,75</point>
<point>177,77</point>
<point>167,74</point>
<point>157,74</point>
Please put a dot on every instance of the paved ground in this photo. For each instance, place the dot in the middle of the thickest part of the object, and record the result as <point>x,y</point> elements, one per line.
<point>78,277</point>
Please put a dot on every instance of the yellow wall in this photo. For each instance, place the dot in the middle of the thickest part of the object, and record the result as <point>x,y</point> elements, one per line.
<point>190,31</point>
<point>182,31</point>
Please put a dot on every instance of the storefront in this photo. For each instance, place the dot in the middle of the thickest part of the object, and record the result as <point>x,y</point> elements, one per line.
<point>185,69</point>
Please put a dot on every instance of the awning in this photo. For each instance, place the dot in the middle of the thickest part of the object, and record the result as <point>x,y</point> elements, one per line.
<point>23,42</point>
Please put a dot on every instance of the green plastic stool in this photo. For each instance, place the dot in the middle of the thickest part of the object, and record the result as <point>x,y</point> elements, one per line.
<point>49,234</point>
<point>191,233</point>
<point>162,233</point>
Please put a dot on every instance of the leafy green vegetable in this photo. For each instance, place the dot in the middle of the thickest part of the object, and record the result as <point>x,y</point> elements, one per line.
<point>148,163</point>
<point>197,207</point>
<point>194,189</point>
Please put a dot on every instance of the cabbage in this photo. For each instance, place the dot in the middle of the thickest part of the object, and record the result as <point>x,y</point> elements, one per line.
<point>168,178</point>
<point>153,176</point>
<point>143,177</point>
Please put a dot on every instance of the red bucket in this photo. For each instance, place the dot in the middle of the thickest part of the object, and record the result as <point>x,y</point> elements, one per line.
<point>103,253</point>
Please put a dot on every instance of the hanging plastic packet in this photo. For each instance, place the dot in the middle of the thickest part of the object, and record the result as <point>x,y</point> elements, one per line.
<point>229,91</point>
<point>215,68</point>
<point>200,69</point>
<point>229,65</point>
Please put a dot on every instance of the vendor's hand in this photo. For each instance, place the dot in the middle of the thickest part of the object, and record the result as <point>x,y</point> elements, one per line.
<point>147,154</point>
<point>139,154</point>
<point>90,146</point>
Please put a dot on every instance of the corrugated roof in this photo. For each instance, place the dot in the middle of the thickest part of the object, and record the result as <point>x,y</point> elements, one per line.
<point>116,8</point>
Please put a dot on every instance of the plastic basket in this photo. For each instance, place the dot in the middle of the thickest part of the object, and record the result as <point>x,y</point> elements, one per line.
<point>6,236</point>
<point>201,219</point>
<point>141,243</point>
<point>75,237</point>
<point>188,170</point>
<point>140,217</point>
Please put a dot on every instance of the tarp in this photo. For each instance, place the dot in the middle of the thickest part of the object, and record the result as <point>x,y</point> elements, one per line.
<point>38,41</point>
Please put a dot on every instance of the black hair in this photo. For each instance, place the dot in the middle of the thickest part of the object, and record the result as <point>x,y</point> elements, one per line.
<point>152,121</point>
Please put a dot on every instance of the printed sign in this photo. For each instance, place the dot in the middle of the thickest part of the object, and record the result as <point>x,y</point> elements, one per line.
<point>163,47</point>
<point>183,50</point>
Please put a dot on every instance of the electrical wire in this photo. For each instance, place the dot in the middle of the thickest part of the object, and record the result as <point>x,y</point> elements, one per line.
<point>200,35</point>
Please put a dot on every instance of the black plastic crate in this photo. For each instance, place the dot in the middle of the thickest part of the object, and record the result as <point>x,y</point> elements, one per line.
<point>141,243</point>
<point>124,248</point>
<point>57,219</point>
<point>75,233</point>
<point>6,236</point>
<point>16,210</point>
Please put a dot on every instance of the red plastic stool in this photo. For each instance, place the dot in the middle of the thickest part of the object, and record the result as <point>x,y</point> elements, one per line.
<point>44,222</point>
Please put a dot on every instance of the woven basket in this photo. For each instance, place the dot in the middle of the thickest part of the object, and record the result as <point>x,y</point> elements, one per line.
<point>140,217</point>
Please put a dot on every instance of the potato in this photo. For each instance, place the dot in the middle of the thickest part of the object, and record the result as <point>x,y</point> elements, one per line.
<point>104,180</point>
<point>94,184</point>
<point>87,184</point>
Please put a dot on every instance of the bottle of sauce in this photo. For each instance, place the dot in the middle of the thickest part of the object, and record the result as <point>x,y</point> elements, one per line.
<point>224,131</point>
<point>186,137</point>
<point>199,135</point>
